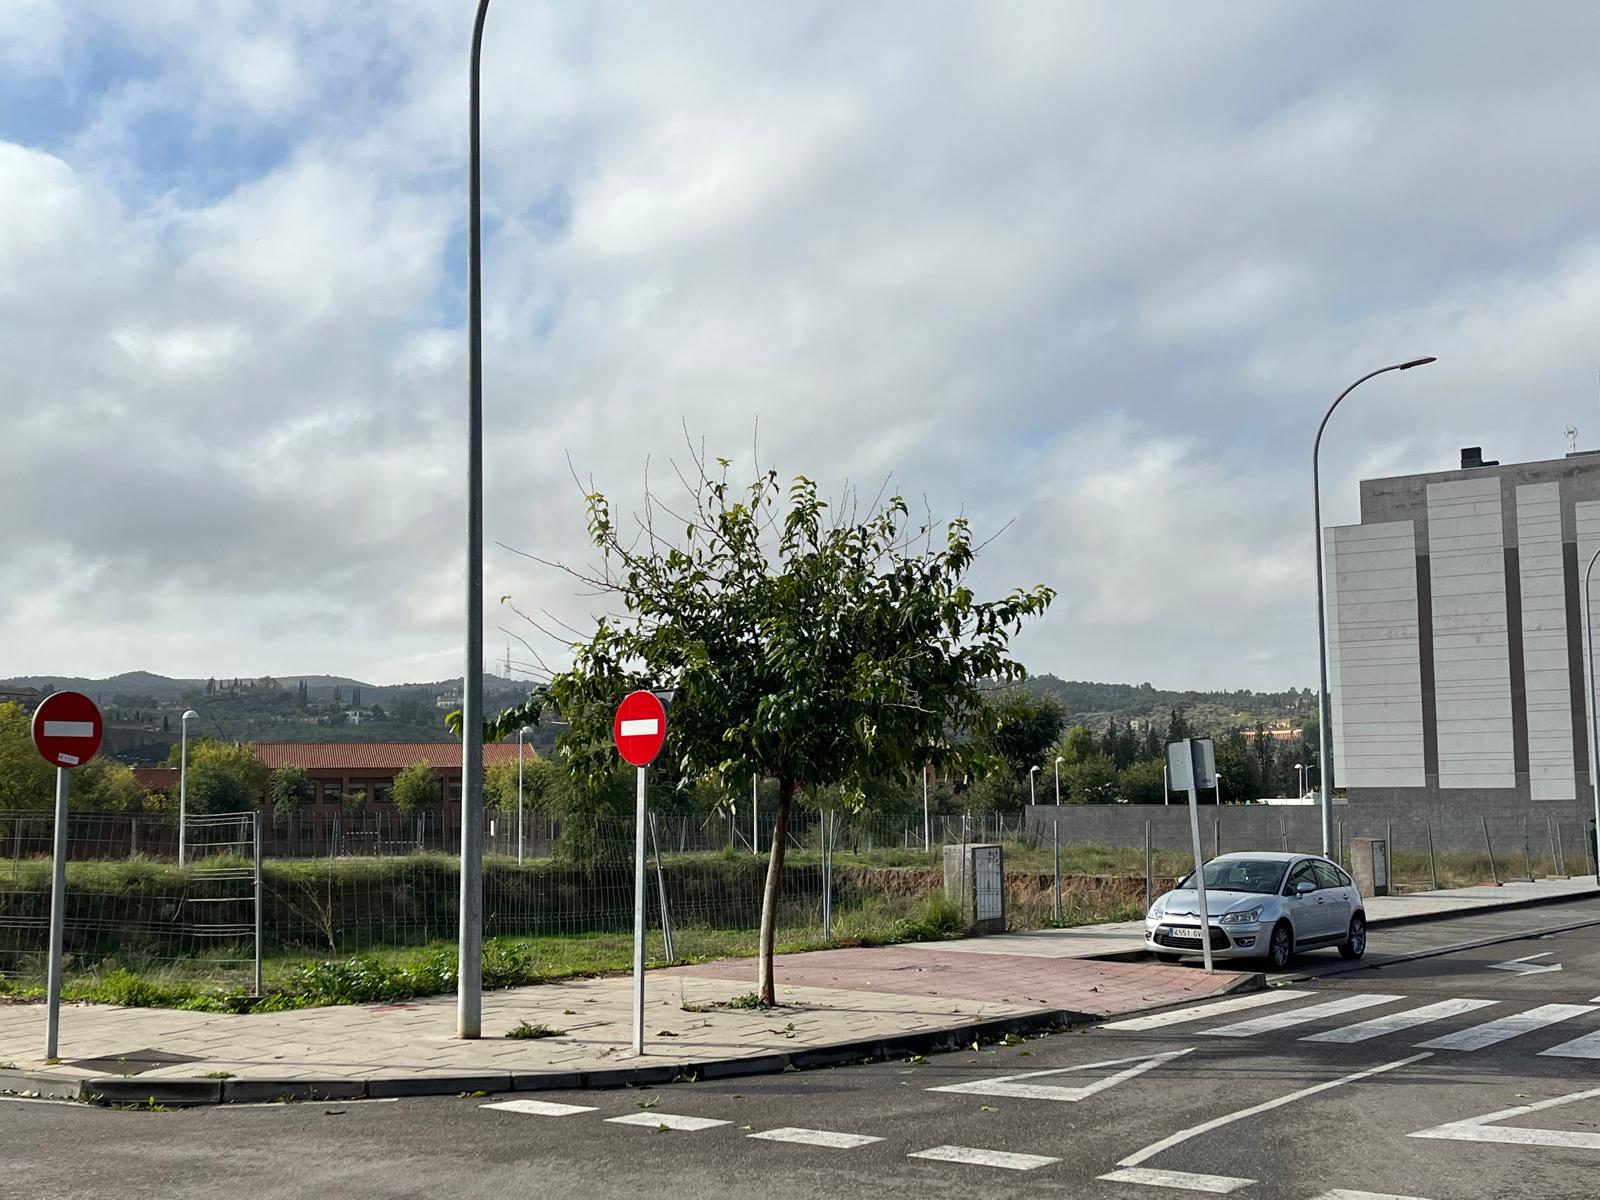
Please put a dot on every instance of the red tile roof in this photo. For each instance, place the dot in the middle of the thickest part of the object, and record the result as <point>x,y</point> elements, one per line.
<point>377,756</point>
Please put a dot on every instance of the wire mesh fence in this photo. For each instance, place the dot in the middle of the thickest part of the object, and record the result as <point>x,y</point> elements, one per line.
<point>559,889</point>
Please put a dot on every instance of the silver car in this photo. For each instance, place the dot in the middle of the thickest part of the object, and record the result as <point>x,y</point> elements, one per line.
<point>1261,905</point>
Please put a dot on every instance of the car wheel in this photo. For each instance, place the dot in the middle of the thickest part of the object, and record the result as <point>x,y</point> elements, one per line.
<point>1280,947</point>
<point>1168,958</point>
<point>1355,945</point>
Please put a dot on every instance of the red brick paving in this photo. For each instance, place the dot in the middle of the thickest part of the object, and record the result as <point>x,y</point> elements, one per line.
<point>1073,984</point>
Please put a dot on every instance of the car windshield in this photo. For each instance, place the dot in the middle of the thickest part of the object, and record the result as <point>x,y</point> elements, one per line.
<point>1241,875</point>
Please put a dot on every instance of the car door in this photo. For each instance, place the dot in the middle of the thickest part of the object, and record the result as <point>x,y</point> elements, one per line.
<point>1339,904</point>
<point>1305,914</point>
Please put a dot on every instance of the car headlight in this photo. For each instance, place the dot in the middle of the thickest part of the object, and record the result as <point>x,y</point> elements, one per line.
<point>1249,916</point>
<point>1156,912</point>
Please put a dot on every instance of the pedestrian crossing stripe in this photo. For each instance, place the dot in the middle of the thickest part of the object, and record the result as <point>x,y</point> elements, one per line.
<point>816,1137</point>
<point>1199,1012</point>
<point>1394,1022</point>
<point>539,1108</point>
<point>655,1120</point>
<point>1494,1032</point>
<point>973,1156</point>
<point>1273,1022</point>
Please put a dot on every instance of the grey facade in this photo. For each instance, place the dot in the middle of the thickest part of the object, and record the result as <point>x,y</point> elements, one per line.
<point>1457,660</point>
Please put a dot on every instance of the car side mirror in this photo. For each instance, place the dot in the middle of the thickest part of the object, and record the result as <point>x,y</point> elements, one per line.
<point>1304,888</point>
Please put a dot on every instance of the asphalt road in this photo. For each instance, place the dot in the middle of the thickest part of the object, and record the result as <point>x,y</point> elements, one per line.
<point>1318,1088</point>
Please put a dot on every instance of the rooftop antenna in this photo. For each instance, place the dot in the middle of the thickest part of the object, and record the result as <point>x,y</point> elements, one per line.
<point>1572,438</point>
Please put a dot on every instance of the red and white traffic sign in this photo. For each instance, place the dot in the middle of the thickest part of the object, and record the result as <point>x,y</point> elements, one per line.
<point>67,729</point>
<point>639,728</point>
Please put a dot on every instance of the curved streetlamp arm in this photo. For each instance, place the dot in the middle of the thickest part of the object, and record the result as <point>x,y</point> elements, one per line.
<point>1325,756</point>
<point>1594,719</point>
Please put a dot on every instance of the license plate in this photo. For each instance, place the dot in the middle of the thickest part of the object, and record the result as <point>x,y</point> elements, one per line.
<point>1185,935</point>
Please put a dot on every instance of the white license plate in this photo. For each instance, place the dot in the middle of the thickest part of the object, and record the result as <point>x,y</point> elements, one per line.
<point>1185,935</point>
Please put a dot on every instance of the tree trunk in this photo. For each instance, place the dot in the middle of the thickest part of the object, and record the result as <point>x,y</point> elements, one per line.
<point>773,891</point>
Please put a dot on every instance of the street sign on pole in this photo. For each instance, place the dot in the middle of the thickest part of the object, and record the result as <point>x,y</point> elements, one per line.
<point>639,729</point>
<point>67,728</point>
<point>1188,761</point>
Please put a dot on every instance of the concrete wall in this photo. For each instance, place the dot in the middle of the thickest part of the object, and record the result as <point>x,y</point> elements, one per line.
<point>1547,684</point>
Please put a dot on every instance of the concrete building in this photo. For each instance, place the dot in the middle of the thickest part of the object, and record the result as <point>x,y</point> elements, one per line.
<point>1458,666</point>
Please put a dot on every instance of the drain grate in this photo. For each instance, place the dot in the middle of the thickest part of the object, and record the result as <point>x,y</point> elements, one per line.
<point>134,1062</point>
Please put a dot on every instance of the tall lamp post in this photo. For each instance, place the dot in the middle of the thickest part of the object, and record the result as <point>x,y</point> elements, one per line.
<point>1032,771</point>
<point>183,786</point>
<point>927,824</point>
<point>520,732</point>
<point>1059,761</point>
<point>1322,616</point>
<point>469,940</point>
<point>1594,719</point>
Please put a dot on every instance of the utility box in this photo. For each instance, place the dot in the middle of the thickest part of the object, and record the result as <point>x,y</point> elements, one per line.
<point>975,877</point>
<point>1369,865</point>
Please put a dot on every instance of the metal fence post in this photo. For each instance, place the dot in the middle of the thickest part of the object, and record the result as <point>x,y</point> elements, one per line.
<point>259,922</point>
<point>1494,871</point>
<point>1527,852</point>
<point>661,894</point>
<point>1216,837</point>
<point>1559,850</point>
<point>828,819</point>
<point>1056,826</point>
<point>1433,864</point>
<point>1338,842</point>
<point>1149,880</point>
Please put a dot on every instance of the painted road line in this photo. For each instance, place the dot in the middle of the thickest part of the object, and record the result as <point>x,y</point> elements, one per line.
<point>1183,1135</point>
<point>1526,966</point>
<point>1395,1022</point>
<point>1217,1185</point>
<point>985,1158</point>
<point>816,1137</point>
<point>655,1120</point>
<point>1588,1046</point>
<point>1006,1085</point>
<point>1485,1129</point>
<point>1347,1194</point>
<point>1492,1032</point>
<point>1199,1012</point>
<point>1273,1022</point>
<point>539,1108</point>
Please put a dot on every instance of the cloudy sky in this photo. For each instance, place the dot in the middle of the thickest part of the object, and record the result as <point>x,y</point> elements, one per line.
<point>1094,269</point>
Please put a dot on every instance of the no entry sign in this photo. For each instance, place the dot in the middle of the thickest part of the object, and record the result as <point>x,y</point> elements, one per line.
<point>640,727</point>
<point>67,729</point>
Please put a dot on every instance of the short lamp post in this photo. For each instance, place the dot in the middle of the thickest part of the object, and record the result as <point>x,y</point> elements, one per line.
<point>183,786</point>
<point>1059,761</point>
<point>1032,772</point>
<point>1594,718</point>
<point>520,732</point>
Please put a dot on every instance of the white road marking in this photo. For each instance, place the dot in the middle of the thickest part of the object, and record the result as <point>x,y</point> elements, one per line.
<point>1588,1046</point>
<point>539,1108</point>
<point>1217,1185</point>
<point>1394,1022</point>
<point>1484,1129</point>
<point>1526,966</point>
<point>985,1158</point>
<point>1004,1085</point>
<point>1491,1032</point>
<point>1200,1011</point>
<point>654,1120</point>
<point>1347,1194</point>
<point>1183,1135</point>
<point>69,729</point>
<point>230,1105</point>
<point>645,726</point>
<point>816,1137</point>
<point>1273,1022</point>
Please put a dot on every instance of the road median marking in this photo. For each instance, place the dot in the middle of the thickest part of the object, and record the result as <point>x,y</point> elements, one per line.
<point>1183,1135</point>
<point>1188,1181</point>
<point>972,1156</point>
<point>1487,1128</point>
<point>1007,1085</point>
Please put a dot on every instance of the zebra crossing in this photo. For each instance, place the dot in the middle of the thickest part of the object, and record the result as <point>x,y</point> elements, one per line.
<point>1499,1028</point>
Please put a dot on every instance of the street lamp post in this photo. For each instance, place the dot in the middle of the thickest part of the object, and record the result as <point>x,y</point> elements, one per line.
<point>1032,771</point>
<point>1594,719</point>
<point>183,786</point>
<point>927,824</point>
<point>1326,791</point>
<point>520,732</point>
<point>1059,761</point>
<point>469,964</point>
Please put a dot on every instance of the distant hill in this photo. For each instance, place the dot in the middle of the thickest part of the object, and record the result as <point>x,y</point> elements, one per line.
<point>1092,704</point>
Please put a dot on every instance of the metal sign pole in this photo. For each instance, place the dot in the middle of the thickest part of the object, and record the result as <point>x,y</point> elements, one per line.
<point>1199,862</point>
<point>638,914</point>
<point>58,921</point>
<point>259,992</point>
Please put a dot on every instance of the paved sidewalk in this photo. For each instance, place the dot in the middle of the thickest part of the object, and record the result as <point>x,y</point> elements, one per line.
<point>836,1006</point>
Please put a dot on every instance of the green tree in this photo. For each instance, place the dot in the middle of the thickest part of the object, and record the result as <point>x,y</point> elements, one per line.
<point>1178,727</point>
<point>223,776</point>
<point>1092,781</point>
<point>1077,745</point>
<point>291,790</point>
<point>1143,782</point>
<point>26,780</point>
<point>811,649</point>
<point>1025,727</point>
<point>416,789</point>
<point>105,786</point>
